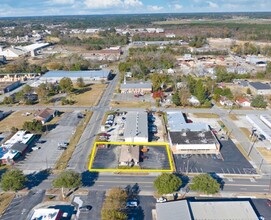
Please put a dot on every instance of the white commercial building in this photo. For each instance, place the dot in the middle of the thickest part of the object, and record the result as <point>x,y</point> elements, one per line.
<point>190,138</point>
<point>136,127</point>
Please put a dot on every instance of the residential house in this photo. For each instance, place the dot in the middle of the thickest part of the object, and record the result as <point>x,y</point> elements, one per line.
<point>129,155</point>
<point>244,102</point>
<point>225,101</point>
<point>45,115</point>
<point>193,100</point>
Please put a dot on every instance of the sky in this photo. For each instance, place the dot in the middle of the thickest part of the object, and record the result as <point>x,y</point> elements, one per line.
<point>16,8</point>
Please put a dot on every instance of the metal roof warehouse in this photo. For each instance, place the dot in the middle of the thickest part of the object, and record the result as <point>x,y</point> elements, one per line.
<point>89,75</point>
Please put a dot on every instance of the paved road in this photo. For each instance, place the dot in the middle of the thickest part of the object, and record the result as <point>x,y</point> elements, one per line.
<point>22,205</point>
<point>84,147</point>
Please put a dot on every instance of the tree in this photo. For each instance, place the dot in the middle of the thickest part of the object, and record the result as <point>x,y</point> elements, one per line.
<point>27,89</point>
<point>80,82</point>
<point>42,91</point>
<point>258,102</point>
<point>176,99</point>
<point>248,91</point>
<point>68,179</point>
<point>13,180</point>
<point>114,204</point>
<point>8,100</point>
<point>33,126</point>
<point>205,183</point>
<point>167,183</point>
<point>66,84</point>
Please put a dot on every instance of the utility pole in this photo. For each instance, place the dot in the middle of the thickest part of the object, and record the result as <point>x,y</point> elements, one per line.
<point>187,171</point>
<point>252,146</point>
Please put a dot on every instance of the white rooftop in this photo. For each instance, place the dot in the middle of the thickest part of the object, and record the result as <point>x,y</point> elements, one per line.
<point>20,136</point>
<point>45,214</point>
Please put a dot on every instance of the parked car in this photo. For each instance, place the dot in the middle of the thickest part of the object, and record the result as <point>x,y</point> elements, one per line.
<point>268,203</point>
<point>262,137</point>
<point>131,203</point>
<point>85,208</point>
<point>36,148</point>
<point>161,199</point>
<point>62,147</point>
<point>63,144</point>
<point>41,141</point>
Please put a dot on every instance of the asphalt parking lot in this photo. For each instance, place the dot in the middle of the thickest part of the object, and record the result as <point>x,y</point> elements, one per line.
<point>95,199</point>
<point>155,158</point>
<point>22,205</point>
<point>231,162</point>
<point>144,210</point>
<point>122,97</point>
<point>48,154</point>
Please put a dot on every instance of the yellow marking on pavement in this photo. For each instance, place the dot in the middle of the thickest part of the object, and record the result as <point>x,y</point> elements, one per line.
<point>93,153</point>
<point>246,185</point>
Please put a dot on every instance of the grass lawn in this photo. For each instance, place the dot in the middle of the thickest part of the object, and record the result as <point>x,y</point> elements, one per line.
<point>5,200</point>
<point>130,104</point>
<point>265,153</point>
<point>62,162</point>
<point>16,119</point>
<point>246,131</point>
<point>205,115</point>
<point>91,96</point>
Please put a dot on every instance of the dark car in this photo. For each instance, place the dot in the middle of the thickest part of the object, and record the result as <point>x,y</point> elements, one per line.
<point>85,208</point>
<point>41,141</point>
<point>262,137</point>
<point>268,203</point>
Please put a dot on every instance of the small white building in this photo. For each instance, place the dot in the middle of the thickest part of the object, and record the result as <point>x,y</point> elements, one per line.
<point>193,100</point>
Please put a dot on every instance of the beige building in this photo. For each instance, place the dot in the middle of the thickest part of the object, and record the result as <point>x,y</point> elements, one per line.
<point>129,155</point>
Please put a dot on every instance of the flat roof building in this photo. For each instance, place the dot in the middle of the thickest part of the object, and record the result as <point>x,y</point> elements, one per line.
<point>129,155</point>
<point>203,210</point>
<point>260,88</point>
<point>190,138</point>
<point>46,214</point>
<point>136,88</point>
<point>136,127</point>
<point>89,75</point>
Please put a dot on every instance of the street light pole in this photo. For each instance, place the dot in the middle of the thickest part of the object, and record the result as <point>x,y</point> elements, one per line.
<point>252,146</point>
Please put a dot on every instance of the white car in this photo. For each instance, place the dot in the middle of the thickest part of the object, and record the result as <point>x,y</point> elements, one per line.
<point>35,148</point>
<point>161,199</point>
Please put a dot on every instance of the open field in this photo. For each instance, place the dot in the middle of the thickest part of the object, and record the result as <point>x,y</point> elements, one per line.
<point>66,156</point>
<point>16,119</point>
<point>116,104</point>
<point>205,115</point>
<point>5,200</point>
<point>91,97</point>
<point>265,153</point>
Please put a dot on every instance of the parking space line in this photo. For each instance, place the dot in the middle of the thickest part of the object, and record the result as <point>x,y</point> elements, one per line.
<point>233,170</point>
<point>201,170</point>
<point>228,170</point>
<point>222,170</point>
<point>239,170</point>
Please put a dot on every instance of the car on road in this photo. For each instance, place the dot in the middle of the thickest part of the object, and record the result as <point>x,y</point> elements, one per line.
<point>268,203</point>
<point>85,208</point>
<point>161,199</point>
<point>62,147</point>
<point>131,203</point>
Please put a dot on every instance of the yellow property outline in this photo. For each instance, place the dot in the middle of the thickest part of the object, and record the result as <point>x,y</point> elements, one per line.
<point>93,153</point>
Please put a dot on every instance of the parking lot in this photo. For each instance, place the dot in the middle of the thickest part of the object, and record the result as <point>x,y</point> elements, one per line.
<point>94,199</point>
<point>155,158</point>
<point>231,161</point>
<point>46,156</point>
<point>128,97</point>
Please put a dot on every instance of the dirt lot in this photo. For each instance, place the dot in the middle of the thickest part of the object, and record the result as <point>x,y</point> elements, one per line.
<point>265,153</point>
<point>16,119</point>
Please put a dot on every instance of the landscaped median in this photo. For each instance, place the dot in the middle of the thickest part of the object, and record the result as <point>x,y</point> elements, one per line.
<point>130,157</point>
<point>62,162</point>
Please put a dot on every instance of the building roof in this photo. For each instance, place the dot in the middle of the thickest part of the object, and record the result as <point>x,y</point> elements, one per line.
<point>221,210</point>
<point>136,125</point>
<point>4,85</point>
<point>193,137</point>
<point>242,100</point>
<point>129,153</point>
<point>177,210</point>
<point>35,46</point>
<point>177,122</point>
<point>20,147</point>
<point>76,74</point>
<point>46,214</point>
<point>45,113</point>
<point>136,86</point>
<point>260,86</point>
<point>16,51</point>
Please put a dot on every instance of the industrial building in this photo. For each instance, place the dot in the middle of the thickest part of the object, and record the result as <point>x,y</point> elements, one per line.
<point>88,76</point>
<point>136,127</point>
<point>260,88</point>
<point>190,138</point>
<point>6,87</point>
<point>205,209</point>
<point>260,126</point>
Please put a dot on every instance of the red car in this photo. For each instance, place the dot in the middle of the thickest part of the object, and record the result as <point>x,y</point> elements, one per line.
<point>268,202</point>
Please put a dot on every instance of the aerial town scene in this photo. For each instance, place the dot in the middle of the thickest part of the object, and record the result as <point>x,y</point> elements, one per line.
<point>135,110</point>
